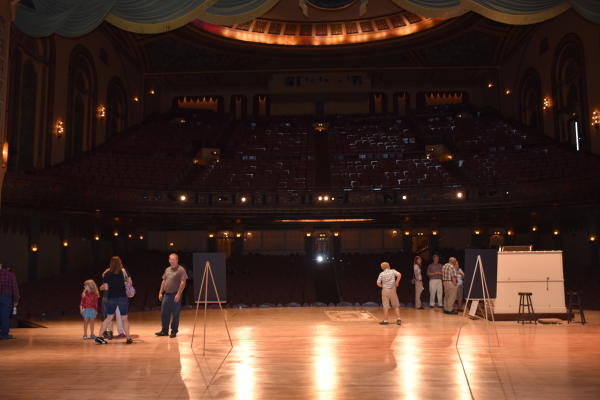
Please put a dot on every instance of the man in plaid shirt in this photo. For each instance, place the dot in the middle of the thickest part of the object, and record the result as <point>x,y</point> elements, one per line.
<point>450,282</point>
<point>9,297</point>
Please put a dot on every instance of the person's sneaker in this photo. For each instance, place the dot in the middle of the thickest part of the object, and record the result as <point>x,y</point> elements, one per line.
<point>85,337</point>
<point>383,323</point>
<point>161,333</point>
<point>108,335</point>
<point>100,340</point>
<point>398,322</point>
<point>173,334</point>
<point>129,340</point>
<point>92,336</point>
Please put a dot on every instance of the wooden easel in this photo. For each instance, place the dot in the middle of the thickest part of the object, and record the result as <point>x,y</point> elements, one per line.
<point>204,287</point>
<point>487,304</point>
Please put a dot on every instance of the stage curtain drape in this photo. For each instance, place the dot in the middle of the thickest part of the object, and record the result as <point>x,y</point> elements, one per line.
<point>74,18</point>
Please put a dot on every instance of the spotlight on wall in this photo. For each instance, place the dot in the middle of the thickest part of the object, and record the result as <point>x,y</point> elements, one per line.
<point>96,237</point>
<point>534,228</point>
<point>556,232</point>
<point>171,244</point>
<point>101,112</point>
<point>547,104</point>
<point>238,235</point>
<point>592,238</point>
<point>308,234</point>
<point>34,248</point>
<point>130,236</point>
<point>507,92</point>
<point>490,85</point>
<point>434,233</point>
<point>509,232</point>
<point>183,197</point>
<point>59,128</point>
<point>243,199</point>
<point>459,195</point>
<point>4,154</point>
<point>406,233</point>
<point>477,232</point>
<point>141,237</point>
<point>336,234</point>
<point>65,243</point>
<point>151,92</point>
<point>404,197</point>
<point>211,235</point>
<point>596,119</point>
<point>116,233</point>
<point>136,99</point>
<point>320,258</point>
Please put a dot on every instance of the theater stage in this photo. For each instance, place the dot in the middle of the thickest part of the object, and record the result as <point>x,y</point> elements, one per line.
<point>306,353</point>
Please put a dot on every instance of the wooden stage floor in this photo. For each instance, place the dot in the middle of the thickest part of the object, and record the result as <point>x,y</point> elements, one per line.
<point>307,353</point>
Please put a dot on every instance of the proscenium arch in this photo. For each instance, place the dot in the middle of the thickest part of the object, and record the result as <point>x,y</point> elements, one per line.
<point>569,89</point>
<point>80,129</point>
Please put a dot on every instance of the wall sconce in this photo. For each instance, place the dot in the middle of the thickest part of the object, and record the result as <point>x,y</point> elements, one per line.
<point>596,119</point>
<point>547,104</point>
<point>434,233</point>
<point>151,92</point>
<point>592,238</point>
<point>4,154</point>
<point>507,92</point>
<point>238,235</point>
<point>476,231</point>
<point>459,195</point>
<point>406,233</point>
<point>141,237</point>
<point>136,99</point>
<point>534,228</point>
<point>96,237</point>
<point>490,85</point>
<point>211,235</point>
<point>101,112</point>
<point>556,232</point>
<point>65,243</point>
<point>59,128</point>
<point>308,234</point>
<point>509,232</point>
<point>34,248</point>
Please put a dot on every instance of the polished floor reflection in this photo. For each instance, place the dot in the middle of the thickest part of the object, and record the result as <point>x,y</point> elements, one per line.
<point>307,353</point>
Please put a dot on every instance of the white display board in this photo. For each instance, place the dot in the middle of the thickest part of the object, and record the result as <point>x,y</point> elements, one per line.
<point>538,272</point>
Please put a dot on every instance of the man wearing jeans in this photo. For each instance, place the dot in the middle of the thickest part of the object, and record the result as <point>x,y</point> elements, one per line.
<point>170,293</point>
<point>9,298</point>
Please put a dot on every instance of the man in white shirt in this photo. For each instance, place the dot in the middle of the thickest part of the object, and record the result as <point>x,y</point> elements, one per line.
<point>388,281</point>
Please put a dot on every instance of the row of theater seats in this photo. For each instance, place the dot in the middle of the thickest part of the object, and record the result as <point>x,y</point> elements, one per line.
<point>273,154</point>
<point>532,164</point>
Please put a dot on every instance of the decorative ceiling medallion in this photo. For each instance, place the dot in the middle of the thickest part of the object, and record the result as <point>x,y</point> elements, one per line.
<point>302,33</point>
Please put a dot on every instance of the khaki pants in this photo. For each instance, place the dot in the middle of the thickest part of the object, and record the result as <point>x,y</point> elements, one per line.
<point>389,296</point>
<point>449,295</point>
<point>435,288</point>
<point>418,291</point>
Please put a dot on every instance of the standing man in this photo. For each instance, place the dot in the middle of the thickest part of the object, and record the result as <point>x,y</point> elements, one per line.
<point>171,289</point>
<point>9,297</point>
<point>434,272</point>
<point>388,281</point>
<point>460,277</point>
<point>449,278</point>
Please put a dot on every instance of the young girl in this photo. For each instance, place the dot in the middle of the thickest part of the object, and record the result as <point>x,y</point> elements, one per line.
<point>88,307</point>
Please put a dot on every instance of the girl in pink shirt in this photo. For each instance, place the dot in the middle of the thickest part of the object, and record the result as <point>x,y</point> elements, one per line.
<point>88,307</point>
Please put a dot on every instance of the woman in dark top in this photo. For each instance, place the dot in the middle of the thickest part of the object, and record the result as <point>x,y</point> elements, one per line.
<point>114,287</point>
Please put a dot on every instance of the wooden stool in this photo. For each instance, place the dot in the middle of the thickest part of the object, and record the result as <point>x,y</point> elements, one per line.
<point>573,299</point>
<point>526,313</point>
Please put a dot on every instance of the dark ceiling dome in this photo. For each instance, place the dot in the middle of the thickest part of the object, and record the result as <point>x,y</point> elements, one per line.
<point>331,4</point>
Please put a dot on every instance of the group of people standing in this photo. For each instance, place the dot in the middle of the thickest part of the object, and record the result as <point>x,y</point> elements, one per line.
<point>115,301</point>
<point>446,283</point>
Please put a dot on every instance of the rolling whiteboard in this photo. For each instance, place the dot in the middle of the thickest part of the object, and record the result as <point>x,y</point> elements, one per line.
<point>538,272</point>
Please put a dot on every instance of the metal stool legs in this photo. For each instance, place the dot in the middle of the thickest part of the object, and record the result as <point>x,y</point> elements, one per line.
<point>526,313</point>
